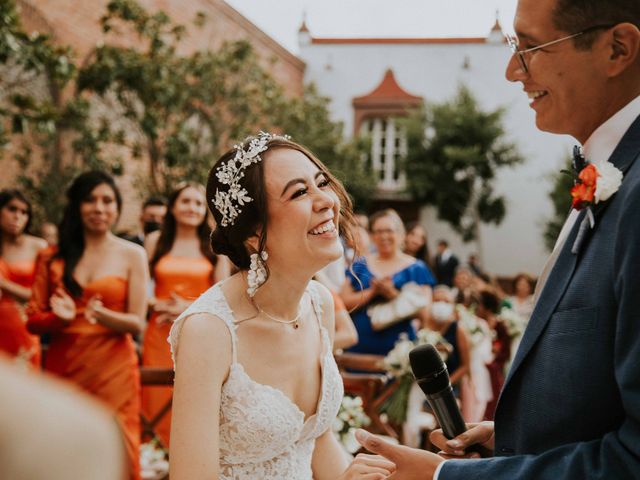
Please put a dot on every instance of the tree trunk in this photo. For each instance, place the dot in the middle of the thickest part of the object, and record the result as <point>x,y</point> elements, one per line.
<point>154,160</point>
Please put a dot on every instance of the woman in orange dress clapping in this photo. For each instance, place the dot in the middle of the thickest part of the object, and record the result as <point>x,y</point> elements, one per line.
<point>18,252</point>
<point>89,294</point>
<point>183,267</point>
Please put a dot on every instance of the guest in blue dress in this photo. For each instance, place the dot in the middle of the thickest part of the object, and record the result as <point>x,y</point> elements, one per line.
<point>379,277</point>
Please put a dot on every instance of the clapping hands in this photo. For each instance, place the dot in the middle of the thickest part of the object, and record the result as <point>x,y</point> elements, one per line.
<point>62,305</point>
<point>169,309</point>
<point>385,287</point>
<point>90,311</point>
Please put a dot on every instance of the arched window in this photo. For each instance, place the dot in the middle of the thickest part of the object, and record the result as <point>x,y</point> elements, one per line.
<point>388,149</point>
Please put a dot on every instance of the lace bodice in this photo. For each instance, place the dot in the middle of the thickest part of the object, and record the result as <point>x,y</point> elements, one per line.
<point>263,434</point>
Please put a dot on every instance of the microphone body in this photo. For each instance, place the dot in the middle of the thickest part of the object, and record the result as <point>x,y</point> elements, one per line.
<point>445,408</point>
<point>432,377</point>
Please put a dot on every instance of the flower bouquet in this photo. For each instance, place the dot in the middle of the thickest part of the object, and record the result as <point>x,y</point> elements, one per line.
<point>153,461</point>
<point>350,417</point>
<point>515,323</point>
<point>398,367</point>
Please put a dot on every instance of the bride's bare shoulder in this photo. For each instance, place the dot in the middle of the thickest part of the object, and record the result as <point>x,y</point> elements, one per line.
<point>204,338</point>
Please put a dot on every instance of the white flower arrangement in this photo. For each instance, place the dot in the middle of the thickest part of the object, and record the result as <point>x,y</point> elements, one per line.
<point>397,360</point>
<point>476,328</point>
<point>397,365</point>
<point>153,461</point>
<point>515,323</point>
<point>350,417</point>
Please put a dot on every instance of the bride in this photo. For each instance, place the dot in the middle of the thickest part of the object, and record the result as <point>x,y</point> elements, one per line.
<point>256,386</point>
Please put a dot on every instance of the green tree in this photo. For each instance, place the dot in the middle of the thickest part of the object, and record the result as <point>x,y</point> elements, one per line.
<point>178,109</point>
<point>561,200</point>
<point>42,117</point>
<point>455,150</point>
<point>149,100</point>
<point>308,121</point>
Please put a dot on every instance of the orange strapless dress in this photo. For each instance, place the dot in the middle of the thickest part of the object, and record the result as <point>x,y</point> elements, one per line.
<point>187,277</point>
<point>96,358</point>
<point>15,339</point>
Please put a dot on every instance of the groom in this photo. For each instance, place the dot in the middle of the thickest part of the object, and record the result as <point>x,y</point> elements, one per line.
<point>570,408</point>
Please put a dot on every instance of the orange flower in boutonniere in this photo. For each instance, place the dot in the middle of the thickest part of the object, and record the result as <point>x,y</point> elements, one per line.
<point>584,191</point>
<point>593,183</point>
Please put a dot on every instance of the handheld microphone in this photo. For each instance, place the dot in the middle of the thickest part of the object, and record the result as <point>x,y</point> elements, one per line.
<point>433,378</point>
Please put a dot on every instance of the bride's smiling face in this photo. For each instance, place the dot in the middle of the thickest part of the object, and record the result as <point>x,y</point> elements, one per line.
<point>303,212</point>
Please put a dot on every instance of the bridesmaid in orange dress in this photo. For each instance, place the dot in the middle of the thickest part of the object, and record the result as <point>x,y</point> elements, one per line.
<point>89,294</point>
<point>183,267</point>
<point>18,252</point>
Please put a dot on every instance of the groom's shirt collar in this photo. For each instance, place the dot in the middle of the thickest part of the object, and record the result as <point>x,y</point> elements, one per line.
<point>603,141</point>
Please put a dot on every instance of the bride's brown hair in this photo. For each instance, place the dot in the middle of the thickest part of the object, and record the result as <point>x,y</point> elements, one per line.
<point>231,240</point>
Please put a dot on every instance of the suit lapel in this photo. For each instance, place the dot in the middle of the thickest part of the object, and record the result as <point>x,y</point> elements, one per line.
<point>551,294</point>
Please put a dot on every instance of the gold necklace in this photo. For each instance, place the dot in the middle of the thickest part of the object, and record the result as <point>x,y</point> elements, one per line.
<point>294,321</point>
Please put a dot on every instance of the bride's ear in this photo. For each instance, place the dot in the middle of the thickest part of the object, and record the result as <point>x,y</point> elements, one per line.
<point>252,243</point>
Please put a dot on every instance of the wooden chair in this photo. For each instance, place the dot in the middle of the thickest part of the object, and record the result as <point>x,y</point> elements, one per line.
<point>371,384</point>
<point>153,376</point>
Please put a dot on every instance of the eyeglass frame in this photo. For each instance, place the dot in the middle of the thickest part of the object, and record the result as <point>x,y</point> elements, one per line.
<point>512,41</point>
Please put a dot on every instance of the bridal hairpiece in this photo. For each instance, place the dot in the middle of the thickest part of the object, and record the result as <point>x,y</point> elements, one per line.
<point>228,202</point>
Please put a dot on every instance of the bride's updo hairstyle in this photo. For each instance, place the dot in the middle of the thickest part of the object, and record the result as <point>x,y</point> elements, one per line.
<point>230,239</point>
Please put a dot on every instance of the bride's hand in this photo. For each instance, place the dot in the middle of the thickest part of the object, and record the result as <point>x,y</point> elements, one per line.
<point>371,467</point>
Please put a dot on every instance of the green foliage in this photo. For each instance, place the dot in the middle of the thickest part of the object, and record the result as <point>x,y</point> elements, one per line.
<point>561,199</point>
<point>186,108</point>
<point>454,152</point>
<point>307,121</point>
<point>35,73</point>
<point>177,111</point>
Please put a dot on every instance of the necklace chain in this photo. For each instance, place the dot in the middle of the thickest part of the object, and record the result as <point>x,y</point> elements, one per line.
<point>294,321</point>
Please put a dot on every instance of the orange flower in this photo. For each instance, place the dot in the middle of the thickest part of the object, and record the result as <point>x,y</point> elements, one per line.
<point>584,191</point>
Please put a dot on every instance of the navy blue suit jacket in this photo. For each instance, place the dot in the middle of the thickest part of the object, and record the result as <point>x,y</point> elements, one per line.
<point>570,407</point>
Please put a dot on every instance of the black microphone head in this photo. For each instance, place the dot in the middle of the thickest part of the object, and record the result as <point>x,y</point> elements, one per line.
<point>429,369</point>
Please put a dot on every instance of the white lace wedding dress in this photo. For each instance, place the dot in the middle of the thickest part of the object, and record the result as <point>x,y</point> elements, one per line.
<point>263,434</point>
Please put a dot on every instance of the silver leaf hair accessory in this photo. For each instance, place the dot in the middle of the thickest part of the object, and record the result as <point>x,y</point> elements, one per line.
<point>228,202</point>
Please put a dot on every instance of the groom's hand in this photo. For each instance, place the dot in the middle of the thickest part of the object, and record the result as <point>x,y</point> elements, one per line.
<point>411,464</point>
<point>479,435</point>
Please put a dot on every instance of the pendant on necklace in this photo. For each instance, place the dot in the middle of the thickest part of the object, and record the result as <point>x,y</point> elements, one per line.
<point>296,325</point>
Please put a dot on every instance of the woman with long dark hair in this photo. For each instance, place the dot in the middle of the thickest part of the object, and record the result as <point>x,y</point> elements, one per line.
<point>18,252</point>
<point>183,267</point>
<point>89,295</point>
<point>415,243</point>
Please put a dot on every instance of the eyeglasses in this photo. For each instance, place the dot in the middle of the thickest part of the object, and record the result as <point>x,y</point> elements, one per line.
<point>521,54</point>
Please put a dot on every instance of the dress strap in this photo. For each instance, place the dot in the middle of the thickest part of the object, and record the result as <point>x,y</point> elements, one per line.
<point>316,303</point>
<point>212,302</point>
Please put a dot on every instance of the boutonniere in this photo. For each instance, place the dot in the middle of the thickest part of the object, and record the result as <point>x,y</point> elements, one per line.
<point>593,183</point>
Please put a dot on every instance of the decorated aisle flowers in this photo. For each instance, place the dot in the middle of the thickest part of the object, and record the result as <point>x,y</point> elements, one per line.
<point>397,365</point>
<point>515,323</point>
<point>350,417</point>
<point>153,461</point>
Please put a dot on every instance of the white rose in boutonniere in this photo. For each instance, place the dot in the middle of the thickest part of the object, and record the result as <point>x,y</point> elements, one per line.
<point>595,183</point>
<point>609,181</point>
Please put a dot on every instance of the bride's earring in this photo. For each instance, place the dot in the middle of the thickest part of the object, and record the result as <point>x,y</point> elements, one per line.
<point>257,272</point>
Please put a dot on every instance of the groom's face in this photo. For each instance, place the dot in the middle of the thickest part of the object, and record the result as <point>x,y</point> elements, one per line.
<point>563,83</point>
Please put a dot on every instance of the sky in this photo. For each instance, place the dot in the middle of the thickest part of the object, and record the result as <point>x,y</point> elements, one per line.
<point>280,19</point>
